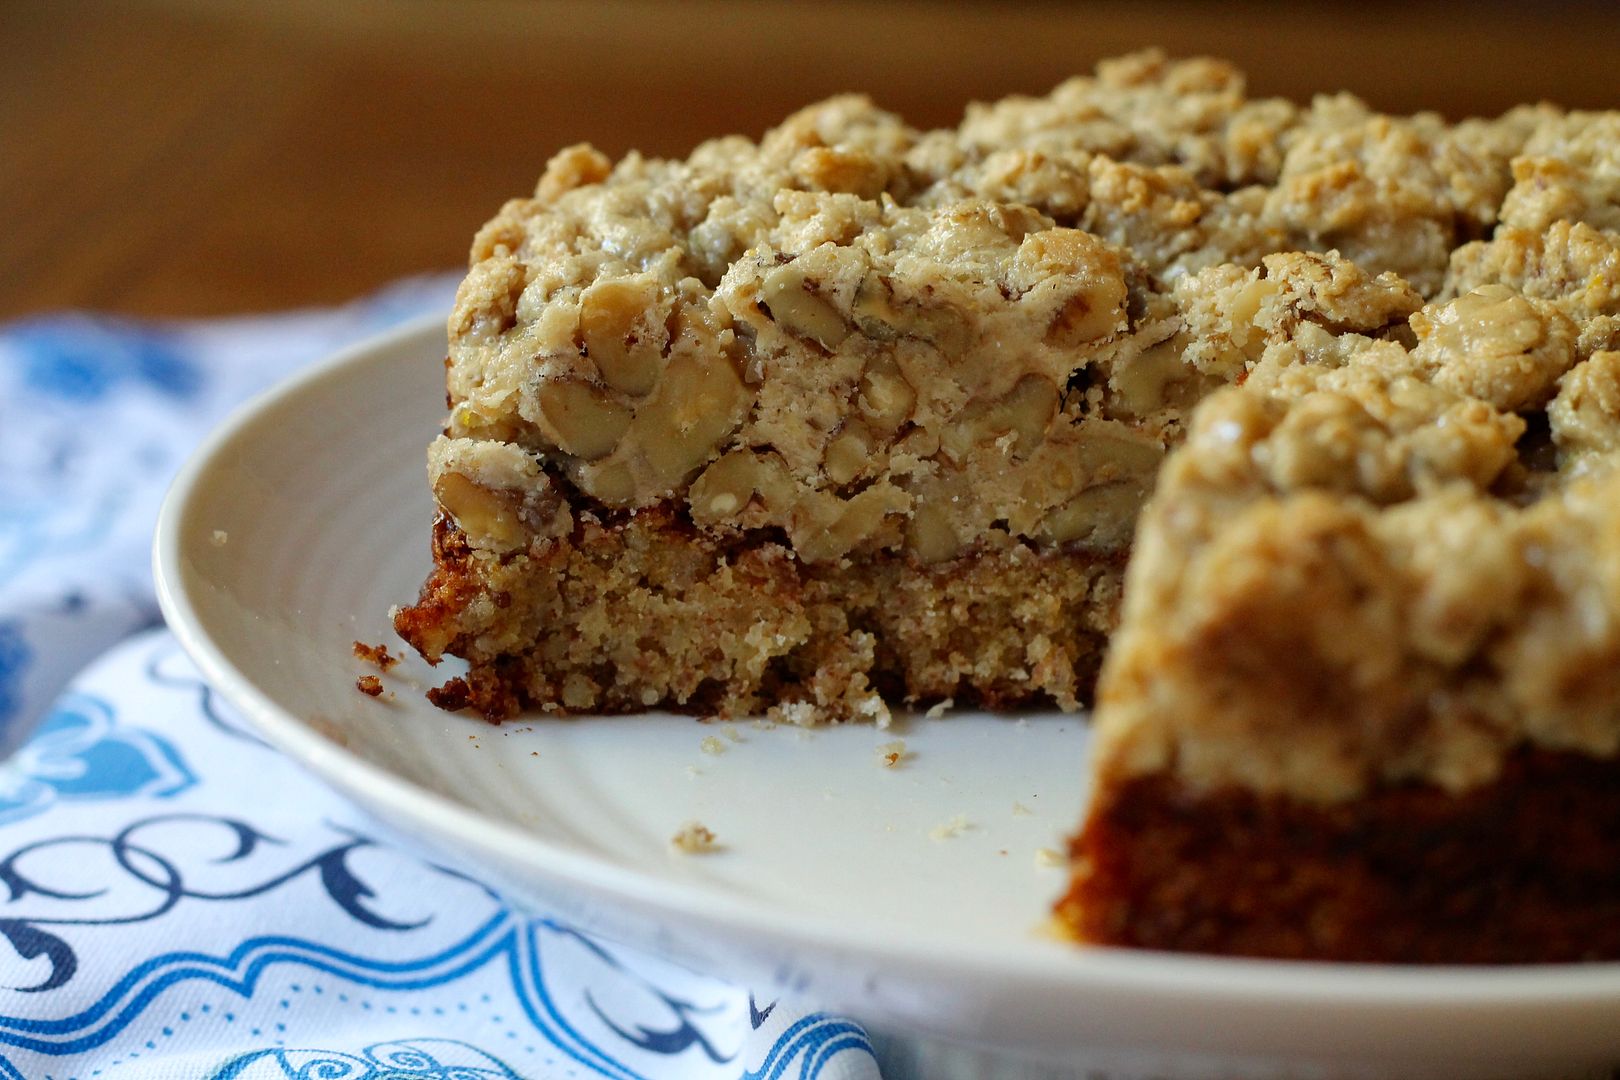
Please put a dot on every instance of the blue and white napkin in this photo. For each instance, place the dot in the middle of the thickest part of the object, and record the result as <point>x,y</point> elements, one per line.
<point>176,898</point>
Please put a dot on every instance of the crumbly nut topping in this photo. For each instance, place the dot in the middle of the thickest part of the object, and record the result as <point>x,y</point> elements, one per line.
<point>1569,170</point>
<point>1573,265</point>
<point>1384,560</point>
<point>873,338</point>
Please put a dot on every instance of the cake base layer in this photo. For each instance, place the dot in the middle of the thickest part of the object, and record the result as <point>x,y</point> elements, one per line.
<point>647,611</point>
<point>1525,869</point>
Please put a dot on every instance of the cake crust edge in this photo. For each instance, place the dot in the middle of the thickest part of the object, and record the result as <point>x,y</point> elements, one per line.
<point>1525,869</point>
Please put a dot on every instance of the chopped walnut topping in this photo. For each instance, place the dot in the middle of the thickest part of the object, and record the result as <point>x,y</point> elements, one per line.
<point>866,336</point>
<point>1411,522</point>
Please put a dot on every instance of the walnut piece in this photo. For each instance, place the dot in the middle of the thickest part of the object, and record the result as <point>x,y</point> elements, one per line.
<point>497,493</point>
<point>622,329</point>
<point>1496,345</point>
<point>581,419</point>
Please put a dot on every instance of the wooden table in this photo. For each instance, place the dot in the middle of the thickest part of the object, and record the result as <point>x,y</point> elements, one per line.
<point>191,158</point>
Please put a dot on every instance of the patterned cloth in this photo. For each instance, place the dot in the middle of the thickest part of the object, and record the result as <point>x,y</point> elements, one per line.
<point>176,898</point>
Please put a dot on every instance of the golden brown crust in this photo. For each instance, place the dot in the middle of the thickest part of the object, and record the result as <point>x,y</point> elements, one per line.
<point>1523,869</point>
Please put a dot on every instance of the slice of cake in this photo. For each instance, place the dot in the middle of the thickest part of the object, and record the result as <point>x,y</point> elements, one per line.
<point>1364,703</point>
<point>860,412</point>
<point>859,463</point>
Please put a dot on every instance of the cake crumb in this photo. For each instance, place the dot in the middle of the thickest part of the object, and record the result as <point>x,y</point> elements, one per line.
<point>369,685</point>
<point>453,696</point>
<point>693,771</point>
<point>951,829</point>
<point>712,745</point>
<point>1049,858</point>
<point>1020,810</point>
<point>377,655</point>
<point>731,733</point>
<point>873,709</point>
<point>693,838</point>
<point>799,713</point>
<point>891,754</point>
<point>220,538</point>
<point>938,708</point>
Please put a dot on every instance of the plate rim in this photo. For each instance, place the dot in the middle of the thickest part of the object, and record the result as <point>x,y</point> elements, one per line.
<point>1187,978</point>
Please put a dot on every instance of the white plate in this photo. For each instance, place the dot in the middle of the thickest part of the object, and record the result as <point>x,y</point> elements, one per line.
<point>829,881</point>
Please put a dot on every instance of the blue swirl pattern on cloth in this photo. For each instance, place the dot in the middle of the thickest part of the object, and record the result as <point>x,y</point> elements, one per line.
<point>420,1059</point>
<point>80,753</point>
<point>177,899</point>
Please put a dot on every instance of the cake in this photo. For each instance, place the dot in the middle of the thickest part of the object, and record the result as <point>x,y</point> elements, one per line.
<point>860,414</point>
<point>1364,700</point>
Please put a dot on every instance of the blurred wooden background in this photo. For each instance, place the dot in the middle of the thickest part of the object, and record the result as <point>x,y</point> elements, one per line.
<point>194,157</point>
